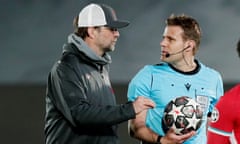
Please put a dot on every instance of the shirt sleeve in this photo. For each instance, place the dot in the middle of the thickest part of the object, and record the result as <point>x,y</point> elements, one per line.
<point>219,92</point>
<point>140,85</point>
<point>223,116</point>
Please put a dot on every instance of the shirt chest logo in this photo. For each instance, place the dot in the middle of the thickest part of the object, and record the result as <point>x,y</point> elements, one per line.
<point>187,86</point>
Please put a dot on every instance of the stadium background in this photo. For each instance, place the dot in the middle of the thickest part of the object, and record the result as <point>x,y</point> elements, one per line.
<point>33,31</point>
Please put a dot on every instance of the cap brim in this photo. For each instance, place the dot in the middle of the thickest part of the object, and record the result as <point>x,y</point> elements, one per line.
<point>118,24</point>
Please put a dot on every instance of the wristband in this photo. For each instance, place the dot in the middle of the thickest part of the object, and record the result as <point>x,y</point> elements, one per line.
<point>159,139</point>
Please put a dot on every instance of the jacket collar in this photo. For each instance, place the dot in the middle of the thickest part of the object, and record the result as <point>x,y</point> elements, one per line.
<point>83,50</point>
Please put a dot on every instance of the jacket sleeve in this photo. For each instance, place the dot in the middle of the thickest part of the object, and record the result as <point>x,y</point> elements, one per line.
<point>69,96</point>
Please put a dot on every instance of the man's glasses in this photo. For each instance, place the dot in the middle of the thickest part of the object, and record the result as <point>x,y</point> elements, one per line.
<point>108,28</point>
<point>111,29</point>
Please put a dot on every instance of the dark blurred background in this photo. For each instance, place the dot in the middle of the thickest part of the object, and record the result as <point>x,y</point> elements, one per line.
<point>33,32</point>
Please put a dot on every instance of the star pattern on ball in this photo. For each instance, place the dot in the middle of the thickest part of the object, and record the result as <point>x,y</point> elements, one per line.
<point>183,115</point>
<point>176,111</point>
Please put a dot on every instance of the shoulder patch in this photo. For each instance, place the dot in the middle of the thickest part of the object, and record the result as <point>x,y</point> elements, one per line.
<point>214,115</point>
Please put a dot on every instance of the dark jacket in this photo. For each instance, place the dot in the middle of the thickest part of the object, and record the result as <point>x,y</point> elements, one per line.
<point>80,102</point>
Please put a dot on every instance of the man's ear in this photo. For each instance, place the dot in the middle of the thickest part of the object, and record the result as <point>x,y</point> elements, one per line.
<point>190,45</point>
<point>91,32</point>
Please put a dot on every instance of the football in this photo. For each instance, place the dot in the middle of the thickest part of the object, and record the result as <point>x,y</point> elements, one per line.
<point>182,114</point>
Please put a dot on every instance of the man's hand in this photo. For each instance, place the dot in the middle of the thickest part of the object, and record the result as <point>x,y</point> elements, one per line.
<point>172,138</point>
<point>142,103</point>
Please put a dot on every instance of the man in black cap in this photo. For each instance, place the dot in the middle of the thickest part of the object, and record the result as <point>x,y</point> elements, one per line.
<point>80,103</point>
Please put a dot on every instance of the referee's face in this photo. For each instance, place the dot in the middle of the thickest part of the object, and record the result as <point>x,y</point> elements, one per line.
<point>172,44</point>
